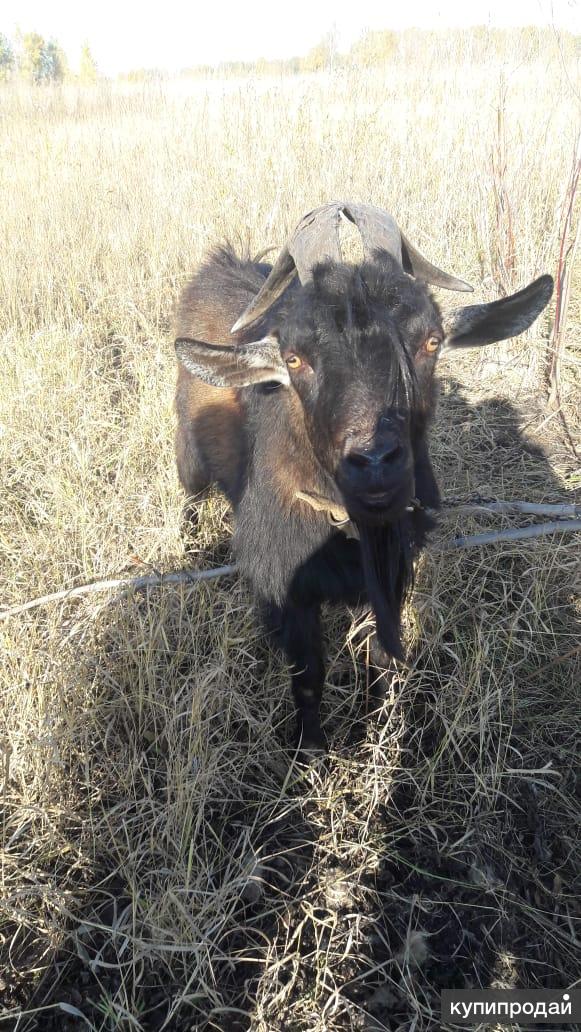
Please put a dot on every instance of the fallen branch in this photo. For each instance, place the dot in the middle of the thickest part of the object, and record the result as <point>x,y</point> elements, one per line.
<point>127,583</point>
<point>529,508</point>
<point>518,534</point>
<point>193,576</point>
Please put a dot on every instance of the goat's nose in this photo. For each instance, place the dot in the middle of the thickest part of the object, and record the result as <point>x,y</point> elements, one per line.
<point>385,451</point>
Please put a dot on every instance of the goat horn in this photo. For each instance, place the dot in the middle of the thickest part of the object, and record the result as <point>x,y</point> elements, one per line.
<point>280,276</point>
<point>317,239</point>
<point>379,230</point>
<point>421,268</point>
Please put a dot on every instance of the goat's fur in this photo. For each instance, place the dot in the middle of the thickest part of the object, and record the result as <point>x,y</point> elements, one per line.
<point>363,331</point>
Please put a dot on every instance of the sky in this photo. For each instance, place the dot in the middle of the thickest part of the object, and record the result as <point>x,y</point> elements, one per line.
<point>125,34</point>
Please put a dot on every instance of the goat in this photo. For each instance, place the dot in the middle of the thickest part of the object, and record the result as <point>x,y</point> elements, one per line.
<point>313,419</point>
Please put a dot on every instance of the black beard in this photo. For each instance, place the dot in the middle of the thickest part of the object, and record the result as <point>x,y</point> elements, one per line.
<point>387,555</point>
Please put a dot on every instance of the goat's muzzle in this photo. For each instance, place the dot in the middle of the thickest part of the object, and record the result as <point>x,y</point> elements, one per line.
<point>376,478</point>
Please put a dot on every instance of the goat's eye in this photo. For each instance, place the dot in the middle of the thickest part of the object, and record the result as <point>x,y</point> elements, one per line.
<point>432,344</point>
<point>293,361</point>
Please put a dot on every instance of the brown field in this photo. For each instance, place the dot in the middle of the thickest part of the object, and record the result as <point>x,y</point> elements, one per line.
<point>164,864</point>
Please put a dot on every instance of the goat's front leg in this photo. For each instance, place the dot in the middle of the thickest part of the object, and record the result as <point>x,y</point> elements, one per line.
<point>382,670</point>
<point>299,633</point>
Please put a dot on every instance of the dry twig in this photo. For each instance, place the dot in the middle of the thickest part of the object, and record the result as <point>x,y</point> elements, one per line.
<point>568,246</point>
<point>471,541</point>
<point>528,508</point>
<point>516,534</point>
<point>126,583</point>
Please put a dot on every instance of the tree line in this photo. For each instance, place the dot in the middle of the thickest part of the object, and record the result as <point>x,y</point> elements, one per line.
<point>383,48</point>
<point>33,59</point>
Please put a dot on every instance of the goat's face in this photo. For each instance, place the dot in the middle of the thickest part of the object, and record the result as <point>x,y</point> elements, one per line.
<point>360,348</point>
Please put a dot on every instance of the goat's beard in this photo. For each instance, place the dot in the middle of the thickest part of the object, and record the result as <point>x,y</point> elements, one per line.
<point>387,555</point>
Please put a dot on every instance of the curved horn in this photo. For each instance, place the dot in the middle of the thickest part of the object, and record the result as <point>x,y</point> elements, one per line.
<point>421,268</point>
<point>314,240</point>
<point>380,230</point>
<point>280,276</point>
<point>317,238</point>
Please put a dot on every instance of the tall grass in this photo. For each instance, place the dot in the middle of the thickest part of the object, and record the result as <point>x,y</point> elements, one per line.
<point>162,864</point>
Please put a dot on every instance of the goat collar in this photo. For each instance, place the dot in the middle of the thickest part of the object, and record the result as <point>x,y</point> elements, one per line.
<point>337,515</point>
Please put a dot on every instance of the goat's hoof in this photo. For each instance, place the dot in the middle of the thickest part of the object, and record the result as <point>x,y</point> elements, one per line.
<point>312,747</point>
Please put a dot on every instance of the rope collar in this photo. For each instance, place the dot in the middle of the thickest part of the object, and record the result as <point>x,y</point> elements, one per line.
<point>337,515</point>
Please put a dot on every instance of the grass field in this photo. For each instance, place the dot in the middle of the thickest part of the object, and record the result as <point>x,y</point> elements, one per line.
<point>164,865</point>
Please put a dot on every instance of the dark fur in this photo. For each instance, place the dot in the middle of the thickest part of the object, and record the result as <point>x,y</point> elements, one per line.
<point>257,444</point>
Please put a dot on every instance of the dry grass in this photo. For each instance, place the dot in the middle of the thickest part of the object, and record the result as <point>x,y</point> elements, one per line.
<point>163,866</point>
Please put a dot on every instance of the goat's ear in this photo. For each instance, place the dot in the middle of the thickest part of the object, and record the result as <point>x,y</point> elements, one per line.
<point>484,324</point>
<point>234,365</point>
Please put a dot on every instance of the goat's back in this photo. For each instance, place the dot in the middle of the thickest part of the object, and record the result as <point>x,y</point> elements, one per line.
<point>211,443</point>
<point>217,294</point>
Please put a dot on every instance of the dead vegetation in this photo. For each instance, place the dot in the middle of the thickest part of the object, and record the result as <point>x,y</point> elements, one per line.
<point>164,863</point>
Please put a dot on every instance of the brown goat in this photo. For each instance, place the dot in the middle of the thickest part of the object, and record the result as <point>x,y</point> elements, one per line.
<point>316,411</point>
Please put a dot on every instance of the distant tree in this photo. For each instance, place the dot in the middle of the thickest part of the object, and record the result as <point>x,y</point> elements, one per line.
<point>374,47</point>
<point>31,59</point>
<point>322,55</point>
<point>54,62</point>
<point>6,58</point>
<point>87,67</point>
<point>41,61</point>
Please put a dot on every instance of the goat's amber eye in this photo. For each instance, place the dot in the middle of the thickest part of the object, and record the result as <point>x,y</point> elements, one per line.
<point>432,344</point>
<point>293,361</point>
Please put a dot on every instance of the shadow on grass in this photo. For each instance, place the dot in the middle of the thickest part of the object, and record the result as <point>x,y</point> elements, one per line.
<point>475,872</point>
<point>435,849</point>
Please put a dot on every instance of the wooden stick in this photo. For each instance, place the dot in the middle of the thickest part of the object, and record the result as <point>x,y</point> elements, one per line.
<point>518,534</point>
<point>127,583</point>
<point>193,576</point>
<point>530,508</point>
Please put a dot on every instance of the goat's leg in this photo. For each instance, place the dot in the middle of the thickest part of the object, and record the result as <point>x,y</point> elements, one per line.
<point>193,475</point>
<point>382,670</point>
<point>299,633</point>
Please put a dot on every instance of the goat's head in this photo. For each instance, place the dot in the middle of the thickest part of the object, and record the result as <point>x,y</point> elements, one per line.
<point>358,345</point>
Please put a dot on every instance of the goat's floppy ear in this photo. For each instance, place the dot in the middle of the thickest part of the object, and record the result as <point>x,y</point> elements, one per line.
<point>233,366</point>
<point>484,324</point>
